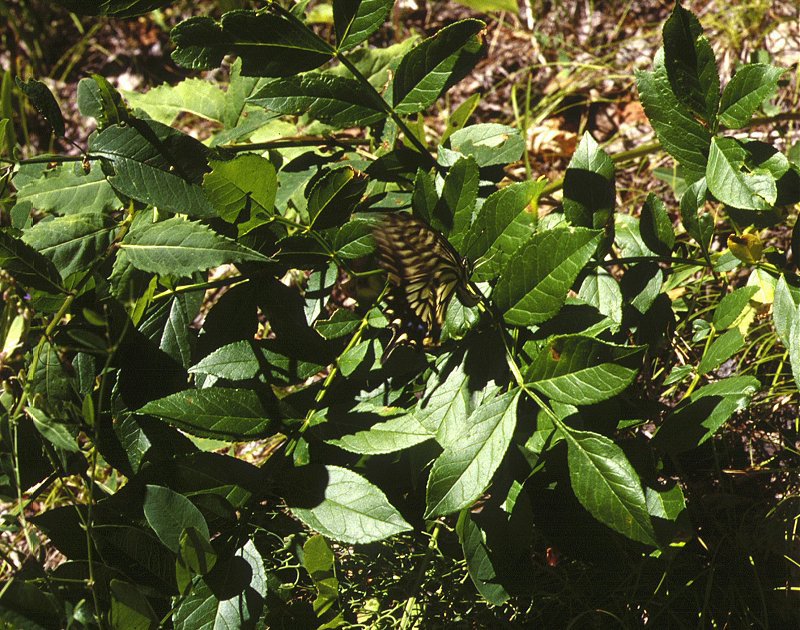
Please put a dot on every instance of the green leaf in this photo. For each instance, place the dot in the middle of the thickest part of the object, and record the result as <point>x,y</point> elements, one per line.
<point>448,401</point>
<point>25,607</point>
<point>70,191</point>
<point>169,514</point>
<point>178,247</point>
<point>45,103</point>
<point>195,96</point>
<point>242,190</point>
<point>98,99</point>
<point>155,165</point>
<point>270,43</point>
<point>750,86</point>
<point>56,432</point>
<point>51,380</point>
<point>722,349</point>
<point>318,559</point>
<point>130,608</point>
<point>581,370</point>
<point>708,409</point>
<point>606,484</point>
<point>655,226</point>
<point>215,412</point>
<point>731,306</point>
<point>466,467</point>
<point>195,551</point>
<point>477,553</point>
<point>484,6</point>
<point>74,242</point>
<point>488,143</point>
<point>334,100</point>
<point>680,134</point>
<point>356,20</point>
<point>391,436</point>
<point>459,194</point>
<point>734,186</point>
<point>785,308</point>
<point>700,228</point>
<point>793,345</point>
<point>690,64</point>
<point>240,581</point>
<point>27,266</point>
<point>534,284</point>
<point>589,190</point>
<point>349,360</point>
<point>334,197</point>
<point>460,116</point>
<point>354,238</point>
<point>119,8</point>
<point>435,64</point>
<point>342,322</point>
<point>352,510</point>
<point>668,504</point>
<point>506,220</point>
<point>245,359</point>
<point>601,290</point>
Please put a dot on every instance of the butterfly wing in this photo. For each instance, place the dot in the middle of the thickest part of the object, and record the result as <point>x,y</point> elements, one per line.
<point>423,271</point>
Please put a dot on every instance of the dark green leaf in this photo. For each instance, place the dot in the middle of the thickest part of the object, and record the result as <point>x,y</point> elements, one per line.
<point>731,306</point>
<point>118,8</point>
<point>130,608</point>
<point>271,43</point>
<point>749,87</point>
<point>690,64</point>
<point>169,513</point>
<point>606,485</point>
<point>70,191</point>
<point>356,20</point>
<point>334,100</point>
<point>681,135</point>
<point>723,348</point>
<point>216,412</point>
<point>45,103</point>
<point>582,371</point>
<point>506,220</point>
<point>435,64</point>
<point>477,554</point>
<point>155,165</point>
<point>709,407</point>
<point>655,226</point>
<point>536,279</point>
<point>231,596</point>
<point>179,247</point>
<point>29,267</point>
<point>463,472</point>
<point>589,190</point>
<point>459,194</point>
<point>73,242</point>
<point>334,197</point>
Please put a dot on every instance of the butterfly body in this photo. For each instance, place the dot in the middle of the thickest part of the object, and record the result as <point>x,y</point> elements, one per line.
<point>424,271</point>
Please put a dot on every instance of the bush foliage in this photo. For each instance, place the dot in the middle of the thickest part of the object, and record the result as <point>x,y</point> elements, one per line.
<point>218,449</point>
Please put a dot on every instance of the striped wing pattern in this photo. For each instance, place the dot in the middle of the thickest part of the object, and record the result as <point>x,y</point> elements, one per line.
<point>424,271</point>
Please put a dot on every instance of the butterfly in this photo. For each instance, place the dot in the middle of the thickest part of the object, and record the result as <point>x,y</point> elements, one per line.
<point>424,271</point>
